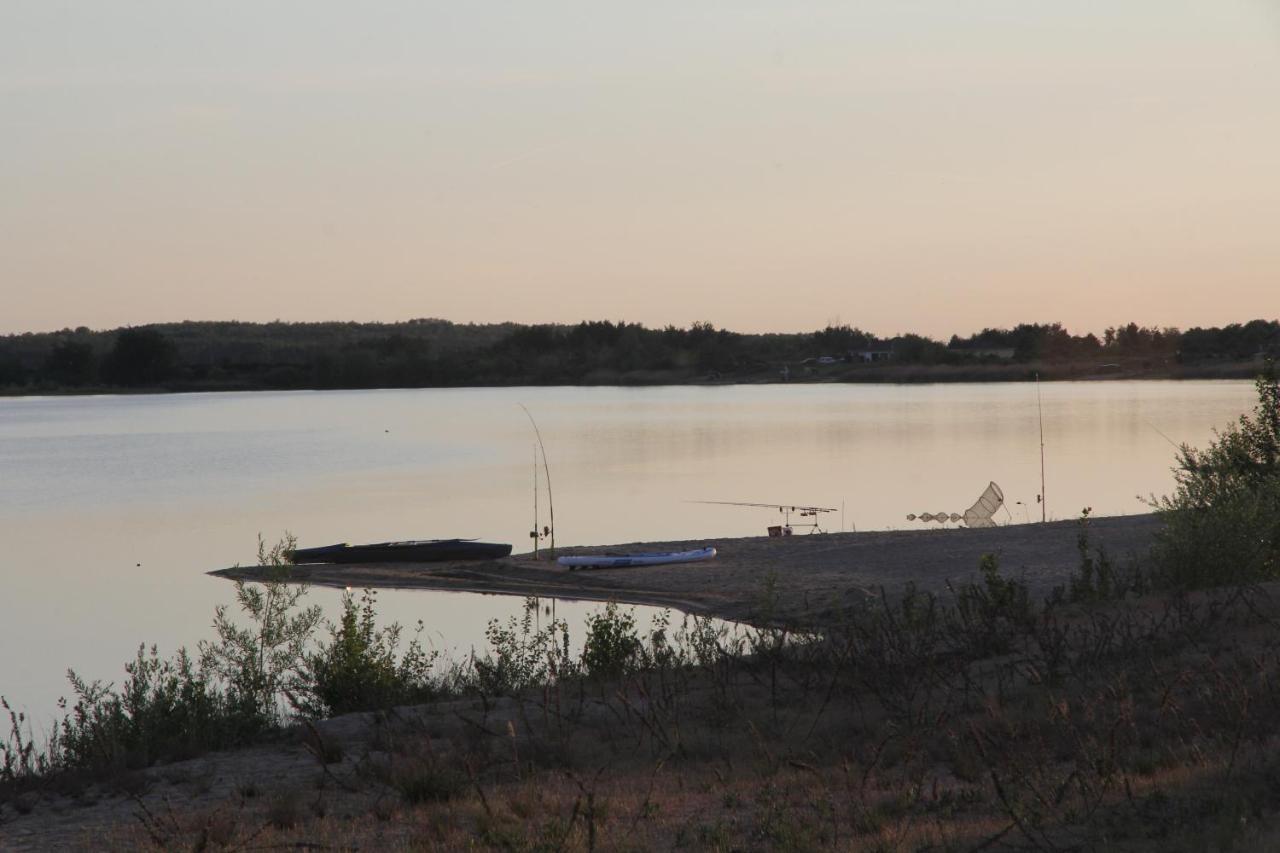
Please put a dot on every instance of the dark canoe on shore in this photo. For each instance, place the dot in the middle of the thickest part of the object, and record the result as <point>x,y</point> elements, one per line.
<point>424,551</point>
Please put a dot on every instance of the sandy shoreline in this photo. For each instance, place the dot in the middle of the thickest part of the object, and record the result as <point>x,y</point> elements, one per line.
<point>817,576</point>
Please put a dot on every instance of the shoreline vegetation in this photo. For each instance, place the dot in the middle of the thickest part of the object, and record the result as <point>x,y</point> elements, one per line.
<point>1130,704</point>
<point>430,353</point>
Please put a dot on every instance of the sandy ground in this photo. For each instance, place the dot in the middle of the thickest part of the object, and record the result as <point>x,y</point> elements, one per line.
<point>817,575</point>
<point>234,786</point>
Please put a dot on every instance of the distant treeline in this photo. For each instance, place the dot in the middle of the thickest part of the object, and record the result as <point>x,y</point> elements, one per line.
<point>432,353</point>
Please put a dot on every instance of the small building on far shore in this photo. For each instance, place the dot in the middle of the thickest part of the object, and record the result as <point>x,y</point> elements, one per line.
<point>869,356</point>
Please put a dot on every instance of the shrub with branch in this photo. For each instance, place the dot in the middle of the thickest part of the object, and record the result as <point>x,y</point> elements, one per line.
<point>361,669</point>
<point>1222,524</point>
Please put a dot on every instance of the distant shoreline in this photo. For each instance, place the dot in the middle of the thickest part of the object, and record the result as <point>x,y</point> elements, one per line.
<point>906,374</point>
<point>232,356</point>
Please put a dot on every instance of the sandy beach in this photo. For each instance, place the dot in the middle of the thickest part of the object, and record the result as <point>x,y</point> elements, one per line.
<point>816,576</point>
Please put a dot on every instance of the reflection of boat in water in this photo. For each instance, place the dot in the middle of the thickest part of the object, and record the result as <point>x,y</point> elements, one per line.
<point>421,551</point>
<point>618,561</point>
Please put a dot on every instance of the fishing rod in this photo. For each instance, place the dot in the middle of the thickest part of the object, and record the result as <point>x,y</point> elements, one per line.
<point>1044,503</point>
<point>535,534</point>
<point>804,511</point>
<point>1172,443</point>
<point>547,471</point>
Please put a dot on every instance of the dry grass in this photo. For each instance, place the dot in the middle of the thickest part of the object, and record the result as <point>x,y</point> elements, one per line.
<point>1151,725</point>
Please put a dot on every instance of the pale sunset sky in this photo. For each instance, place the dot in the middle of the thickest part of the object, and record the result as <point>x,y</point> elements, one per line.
<point>900,165</point>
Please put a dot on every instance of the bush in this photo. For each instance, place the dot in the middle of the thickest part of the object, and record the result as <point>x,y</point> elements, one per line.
<point>175,708</point>
<point>264,662</point>
<point>358,670</point>
<point>1222,524</point>
<point>990,614</point>
<point>166,710</point>
<point>521,655</point>
<point>180,707</point>
<point>612,645</point>
<point>239,687</point>
<point>1234,540</point>
<point>1098,578</point>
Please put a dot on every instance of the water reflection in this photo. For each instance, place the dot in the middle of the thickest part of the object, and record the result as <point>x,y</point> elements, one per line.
<point>112,508</point>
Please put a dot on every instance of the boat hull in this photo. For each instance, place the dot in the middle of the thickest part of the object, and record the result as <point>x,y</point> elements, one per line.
<point>431,551</point>
<point>619,561</point>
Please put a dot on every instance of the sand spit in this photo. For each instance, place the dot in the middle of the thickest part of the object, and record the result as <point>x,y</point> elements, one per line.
<point>817,575</point>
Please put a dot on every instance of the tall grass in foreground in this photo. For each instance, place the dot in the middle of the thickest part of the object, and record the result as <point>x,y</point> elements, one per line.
<point>978,719</point>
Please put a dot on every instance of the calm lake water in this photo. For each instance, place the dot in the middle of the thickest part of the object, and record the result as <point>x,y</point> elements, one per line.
<point>113,507</point>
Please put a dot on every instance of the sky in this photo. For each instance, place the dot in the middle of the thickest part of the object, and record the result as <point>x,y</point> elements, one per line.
<point>898,165</point>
